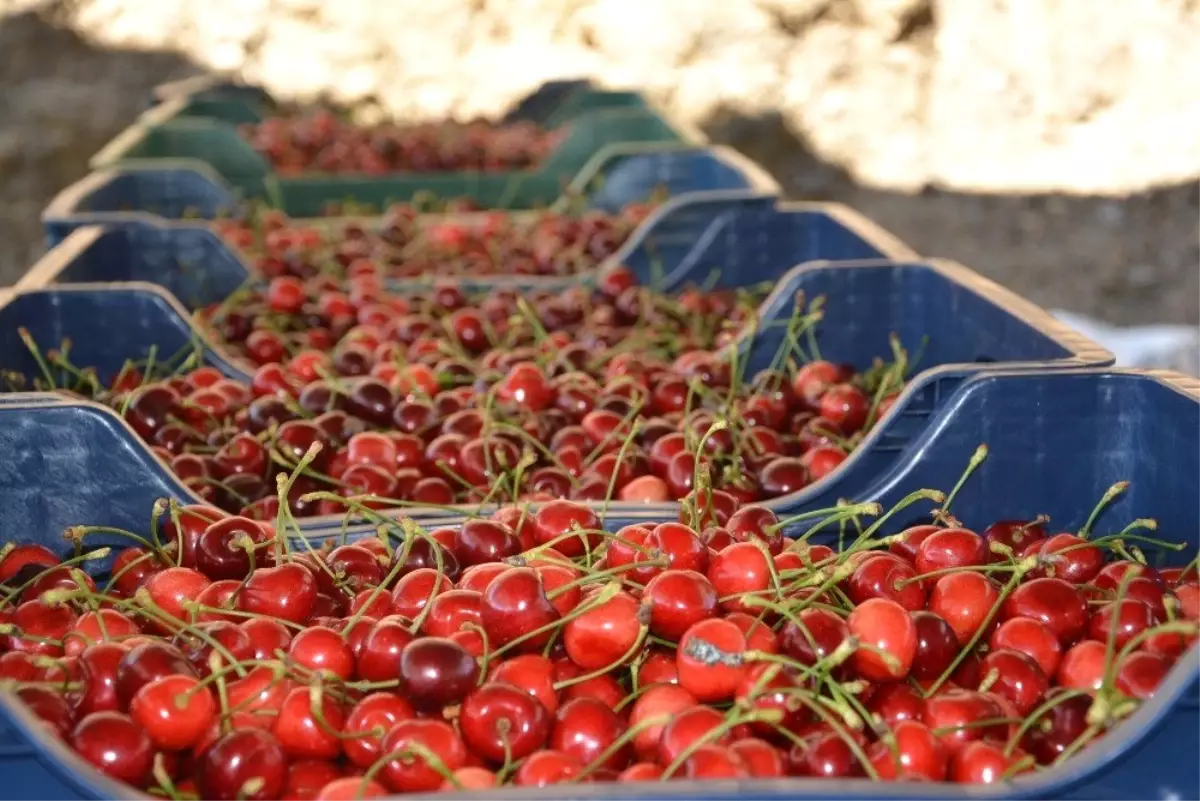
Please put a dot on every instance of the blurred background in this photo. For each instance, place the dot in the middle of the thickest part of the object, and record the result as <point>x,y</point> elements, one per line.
<point>1053,145</point>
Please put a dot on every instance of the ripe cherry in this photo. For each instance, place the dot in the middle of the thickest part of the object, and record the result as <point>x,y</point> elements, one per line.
<point>500,721</point>
<point>887,628</point>
<point>246,763</point>
<point>115,745</point>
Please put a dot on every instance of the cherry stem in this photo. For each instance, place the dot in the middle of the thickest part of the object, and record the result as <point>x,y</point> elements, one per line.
<point>1109,495</point>
<point>615,747</point>
<point>1036,715</point>
<point>408,752</point>
<point>733,718</point>
<point>866,508</point>
<point>595,576</point>
<point>905,502</point>
<point>977,459</point>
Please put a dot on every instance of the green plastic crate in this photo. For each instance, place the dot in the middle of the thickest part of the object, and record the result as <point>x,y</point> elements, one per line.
<point>162,134</point>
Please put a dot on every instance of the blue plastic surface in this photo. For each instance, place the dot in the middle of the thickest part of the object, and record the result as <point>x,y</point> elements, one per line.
<point>979,326</point>
<point>1058,440</point>
<point>618,175</point>
<point>742,236</point>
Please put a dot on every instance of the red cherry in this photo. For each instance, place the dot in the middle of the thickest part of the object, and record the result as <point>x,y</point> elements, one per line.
<point>532,673</point>
<point>957,713</point>
<point>1140,673</point>
<point>887,627</point>
<point>709,659</point>
<point>500,720</point>
<point>1013,534</point>
<point>288,592</point>
<point>380,710</point>
<point>605,632</point>
<point>966,601</point>
<point>515,604</point>
<point>546,768</point>
<point>886,576</point>
<point>1070,558</point>
<point>307,726</point>
<point>555,523</point>
<point>436,672</point>
<point>174,711</point>
<point>115,745</point>
<point>246,763</point>
<point>1083,666</point>
<point>585,728</point>
<point>379,657</point>
<point>1018,677</point>
<point>323,651</point>
<point>677,599</point>
<point>982,762</point>
<point>411,773</point>
<point>685,728</point>
<point>663,700</point>
<point>173,588</point>
<point>917,753</point>
<point>1032,638</point>
<point>951,547</point>
<point>1121,620</point>
<point>739,571</point>
<point>896,702</point>
<point>818,635</point>
<point>351,788</point>
<point>1052,601</point>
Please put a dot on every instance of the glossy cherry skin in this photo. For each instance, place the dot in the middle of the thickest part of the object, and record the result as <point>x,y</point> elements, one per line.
<point>1083,666</point>
<point>966,601</point>
<point>300,732</point>
<point>411,774</point>
<point>515,604</point>
<point>323,651</point>
<point>660,701</point>
<point>605,633</point>
<point>288,591</point>
<point>826,755</point>
<point>1060,727</point>
<point>532,673</point>
<point>1121,620</point>
<point>146,662</point>
<point>886,576</point>
<point>982,762</point>
<point>436,671</point>
<point>685,728</point>
<point>1031,637</point>
<point>1052,601</point>
<point>1018,677</point>
<point>956,713</point>
<point>585,728</point>
<point>1070,558</point>
<point>918,753</point>
<point>173,711</point>
<point>379,657</point>
<point>818,634</point>
<point>115,745</point>
<point>952,547</point>
<point>937,646</point>
<point>381,710</point>
<point>1140,673</point>
<point>500,720</point>
<point>98,667</point>
<point>887,627</point>
<point>547,767</point>
<point>677,599</point>
<point>246,763</point>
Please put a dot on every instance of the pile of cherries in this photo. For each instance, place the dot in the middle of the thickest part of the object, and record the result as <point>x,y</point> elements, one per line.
<point>438,399</point>
<point>407,245</point>
<point>323,142</point>
<point>221,660</point>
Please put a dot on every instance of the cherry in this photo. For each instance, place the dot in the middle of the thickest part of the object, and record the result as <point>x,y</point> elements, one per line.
<point>586,728</point>
<point>1013,534</point>
<point>350,788</point>
<point>1052,601</point>
<point>1018,677</point>
<point>246,763</point>
<point>115,745</point>
<point>515,604</point>
<point>604,633</point>
<point>708,659</point>
<point>378,658</point>
<point>307,726</point>
<point>39,628</point>
<point>323,651</point>
<point>715,762</point>
<point>1070,558</point>
<point>677,599</point>
<point>223,550</point>
<point>22,556</point>
<point>981,762</point>
<point>1031,637</point>
<point>97,673</point>
<point>739,571</point>
<point>480,541</point>
<point>1083,666</point>
<point>886,576</point>
<point>377,711</point>
<point>1140,674</point>
<point>436,672</point>
<point>956,714</point>
<point>288,592</point>
<point>813,635</point>
<point>948,548</point>
<point>51,707</point>
<point>826,755</point>
<point>266,636</point>
<point>887,628</point>
<point>917,753</point>
<point>761,759</point>
<point>145,663</point>
<point>688,726</point>
<point>174,711</point>
<point>101,625</point>
<point>175,587</point>
<point>500,721</point>
<point>545,768</point>
<point>306,778</point>
<point>661,700</point>
<point>896,702</point>
<point>411,772</point>
<point>554,522</point>
<point>965,601</point>
<point>1120,620</point>
<point>1057,729</point>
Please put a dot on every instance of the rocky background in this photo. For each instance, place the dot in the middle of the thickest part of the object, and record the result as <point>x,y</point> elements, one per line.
<point>1051,144</point>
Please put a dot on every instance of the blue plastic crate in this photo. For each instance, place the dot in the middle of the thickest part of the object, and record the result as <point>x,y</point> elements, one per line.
<point>1058,440</point>
<point>177,190</point>
<point>741,236</point>
<point>978,326</point>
